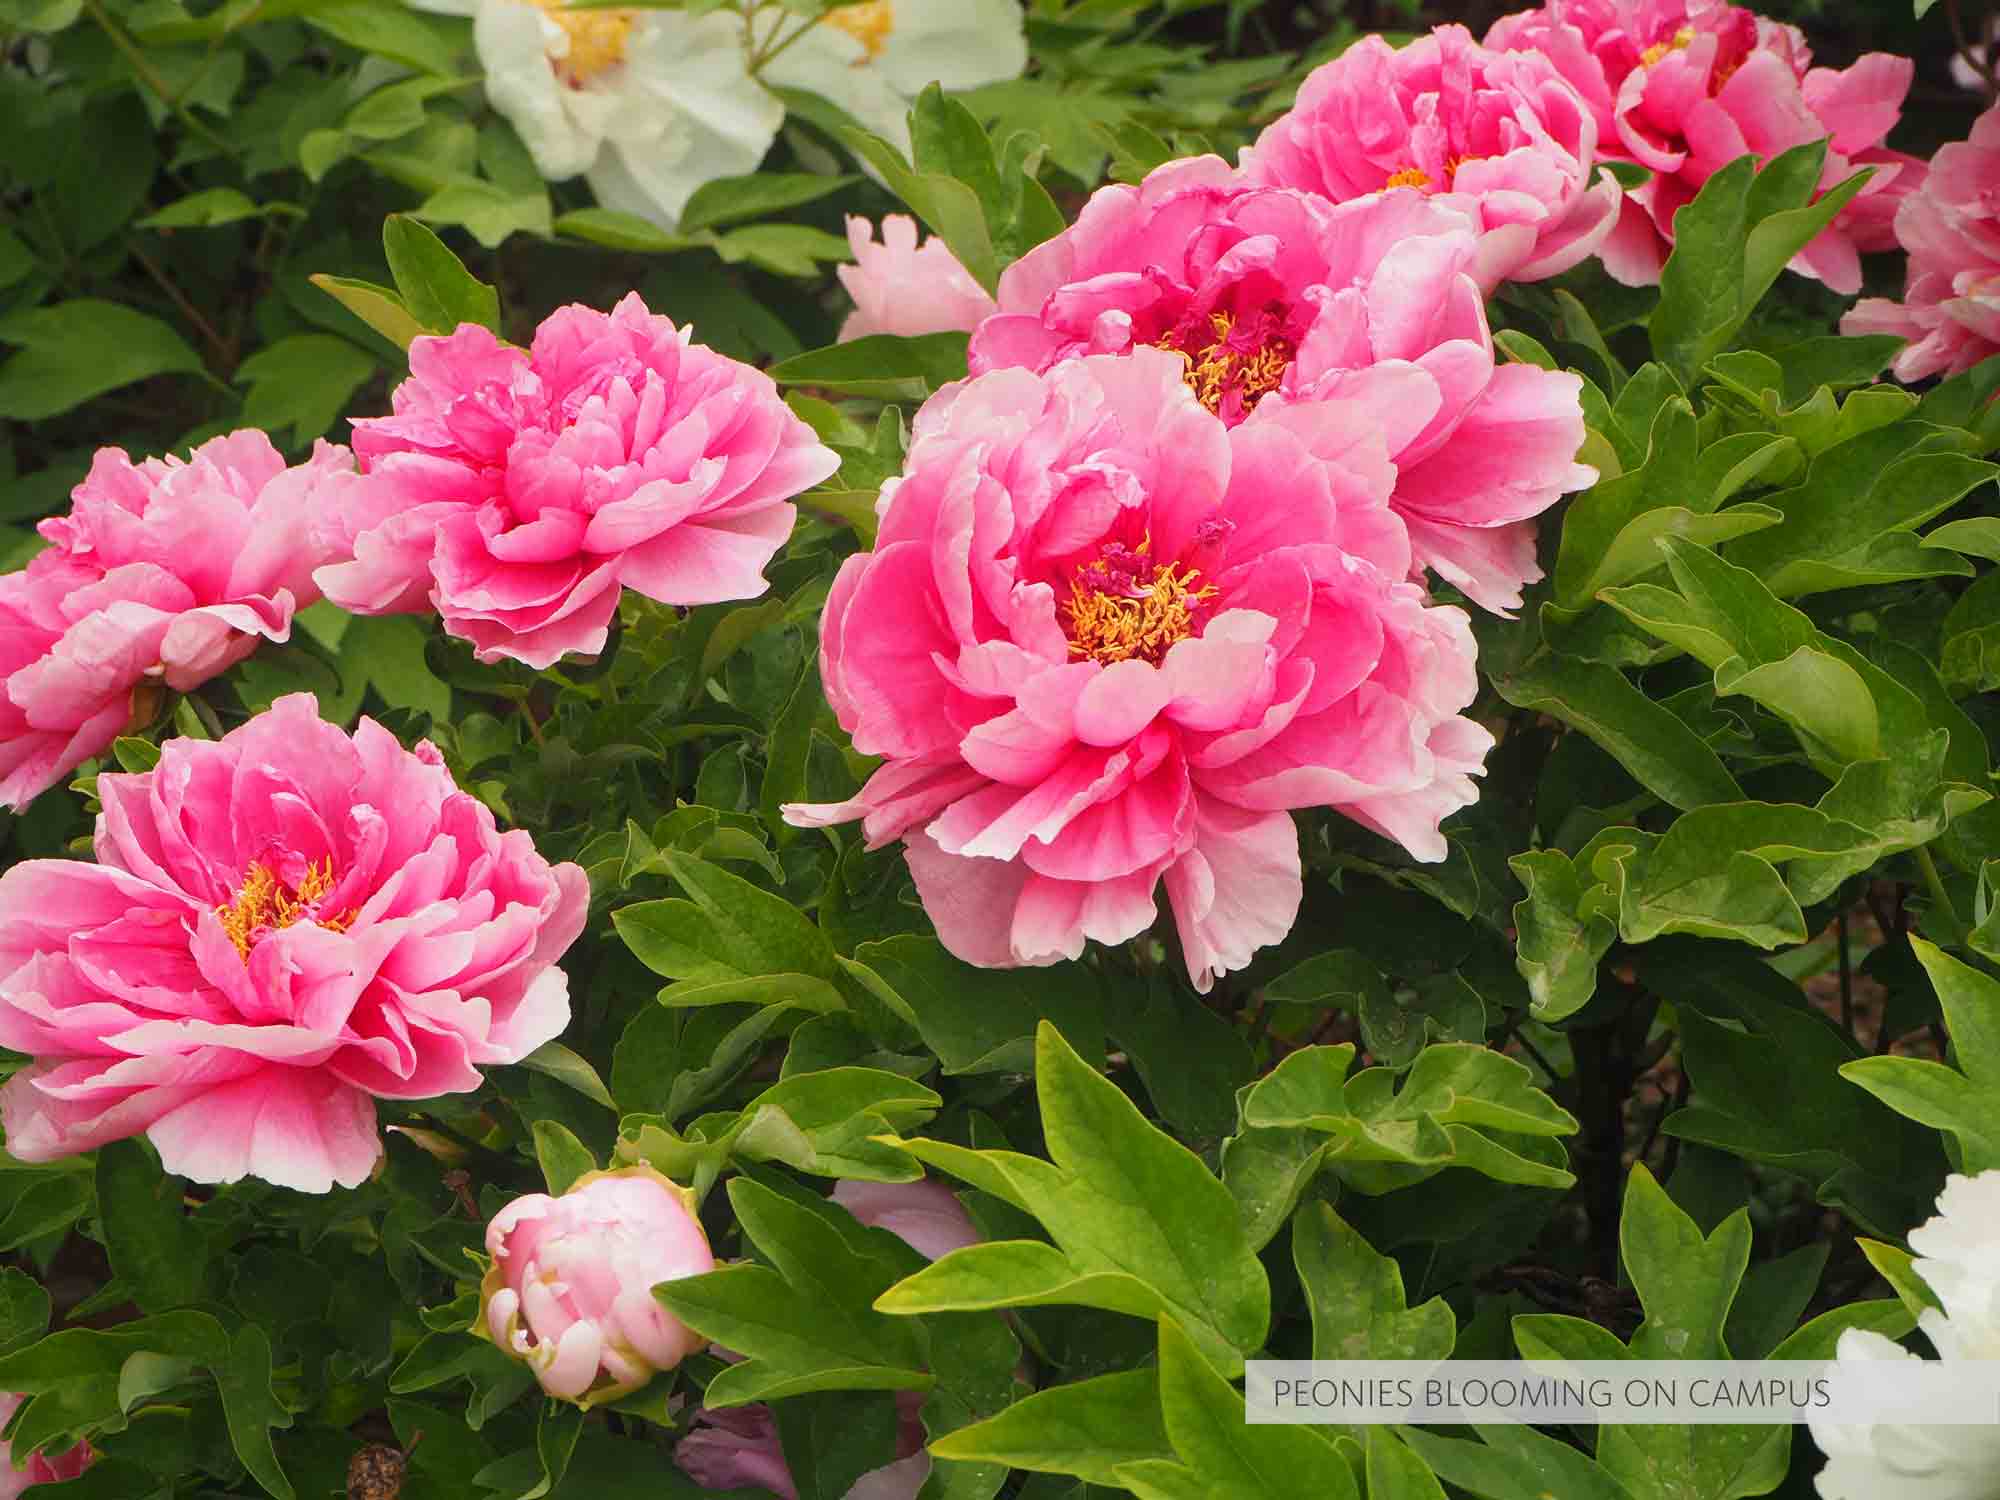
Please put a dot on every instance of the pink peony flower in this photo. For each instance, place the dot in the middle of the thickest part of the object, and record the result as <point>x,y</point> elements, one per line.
<point>40,1468</point>
<point>924,1215</point>
<point>901,289</point>
<point>1950,310</point>
<point>1684,87</point>
<point>570,1287</point>
<point>517,490</point>
<point>1272,298</point>
<point>282,926</point>
<point>1498,135</point>
<point>166,571</point>
<point>1098,657</point>
<point>738,1446</point>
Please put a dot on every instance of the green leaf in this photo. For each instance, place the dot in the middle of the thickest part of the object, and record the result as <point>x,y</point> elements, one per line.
<point>1087,1428</point>
<point>1235,1459</point>
<point>952,208</point>
<point>154,1248</point>
<point>723,200</point>
<point>562,1156</point>
<point>563,1065</point>
<point>212,207</point>
<point>1686,1281</point>
<point>1356,1296</point>
<point>1960,1102</point>
<point>730,931</point>
<point>439,292</point>
<point>882,365</point>
<point>976,1020</point>
<point>806,1322</point>
<point>252,1408</point>
<point>1515,1463</point>
<point>1969,661</point>
<point>430,44</point>
<point>1731,243</point>
<point>74,350</point>
<point>302,383</point>
<point>1559,940</point>
<point>1395,1472</point>
<point>1123,1201</point>
<point>1649,740</point>
<point>24,1310</point>
<point>380,308</point>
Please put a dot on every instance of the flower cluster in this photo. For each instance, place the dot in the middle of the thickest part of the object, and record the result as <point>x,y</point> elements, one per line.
<point>1684,87</point>
<point>650,104</point>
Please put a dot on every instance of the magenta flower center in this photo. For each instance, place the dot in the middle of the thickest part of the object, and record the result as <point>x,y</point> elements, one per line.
<point>267,902</point>
<point>1123,605</point>
<point>1232,362</point>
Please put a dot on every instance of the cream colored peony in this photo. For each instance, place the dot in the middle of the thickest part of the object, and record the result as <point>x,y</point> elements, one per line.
<point>648,104</point>
<point>1958,1256</point>
<point>873,58</point>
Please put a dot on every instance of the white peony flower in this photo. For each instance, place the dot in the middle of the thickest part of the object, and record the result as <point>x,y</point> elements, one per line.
<point>872,59</point>
<point>1958,1256</point>
<point>649,104</point>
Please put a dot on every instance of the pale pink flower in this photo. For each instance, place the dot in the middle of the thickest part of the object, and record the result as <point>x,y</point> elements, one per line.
<point>738,1446</point>
<point>163,574</point>
<point>900,288</point>
<point>282,926</point>
<point>1684,87</point>
<point>41,1468</point>
<point>1950,310</point>
<point>1272,298</point>
<point>924,1215</point>
<point>1498,135</point>
<point>1107,642</point>
<point>570,1285</point>
<point>517,490</point>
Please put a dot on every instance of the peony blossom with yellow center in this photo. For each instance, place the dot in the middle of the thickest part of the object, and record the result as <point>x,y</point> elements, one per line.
<point>873,58</point>
<point>597,39</point>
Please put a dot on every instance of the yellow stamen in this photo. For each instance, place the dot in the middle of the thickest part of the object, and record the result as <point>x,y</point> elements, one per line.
<point>266,903</point>
<point>868,23</point>
<point>596,39</point>
<point>1111,627</point>
<point>1415,177</point>
<point>1660,49</point>
<point>1214,369</point>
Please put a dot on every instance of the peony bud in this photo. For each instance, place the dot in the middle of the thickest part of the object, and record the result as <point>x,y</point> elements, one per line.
<point>570,1289</point>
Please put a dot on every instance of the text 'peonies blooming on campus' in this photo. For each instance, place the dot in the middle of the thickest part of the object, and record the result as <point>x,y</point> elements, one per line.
<point>282,926</point>
<point>1950,310</point>
<point>163,574</point>
<point>1098,659</point>
<point>1498,135</point>
<point>1271,298</point>
<point>570,1285</point>
<point>517,491</point>
<point>1684,87</point>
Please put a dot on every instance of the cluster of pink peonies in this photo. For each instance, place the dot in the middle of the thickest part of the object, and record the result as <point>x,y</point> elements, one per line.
<point>41,1468</point>
<point>514,491</point>
<point>738,1447</point>
<point>1950,310</point>
<point>1684,87</point>
<point>282,926</point>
